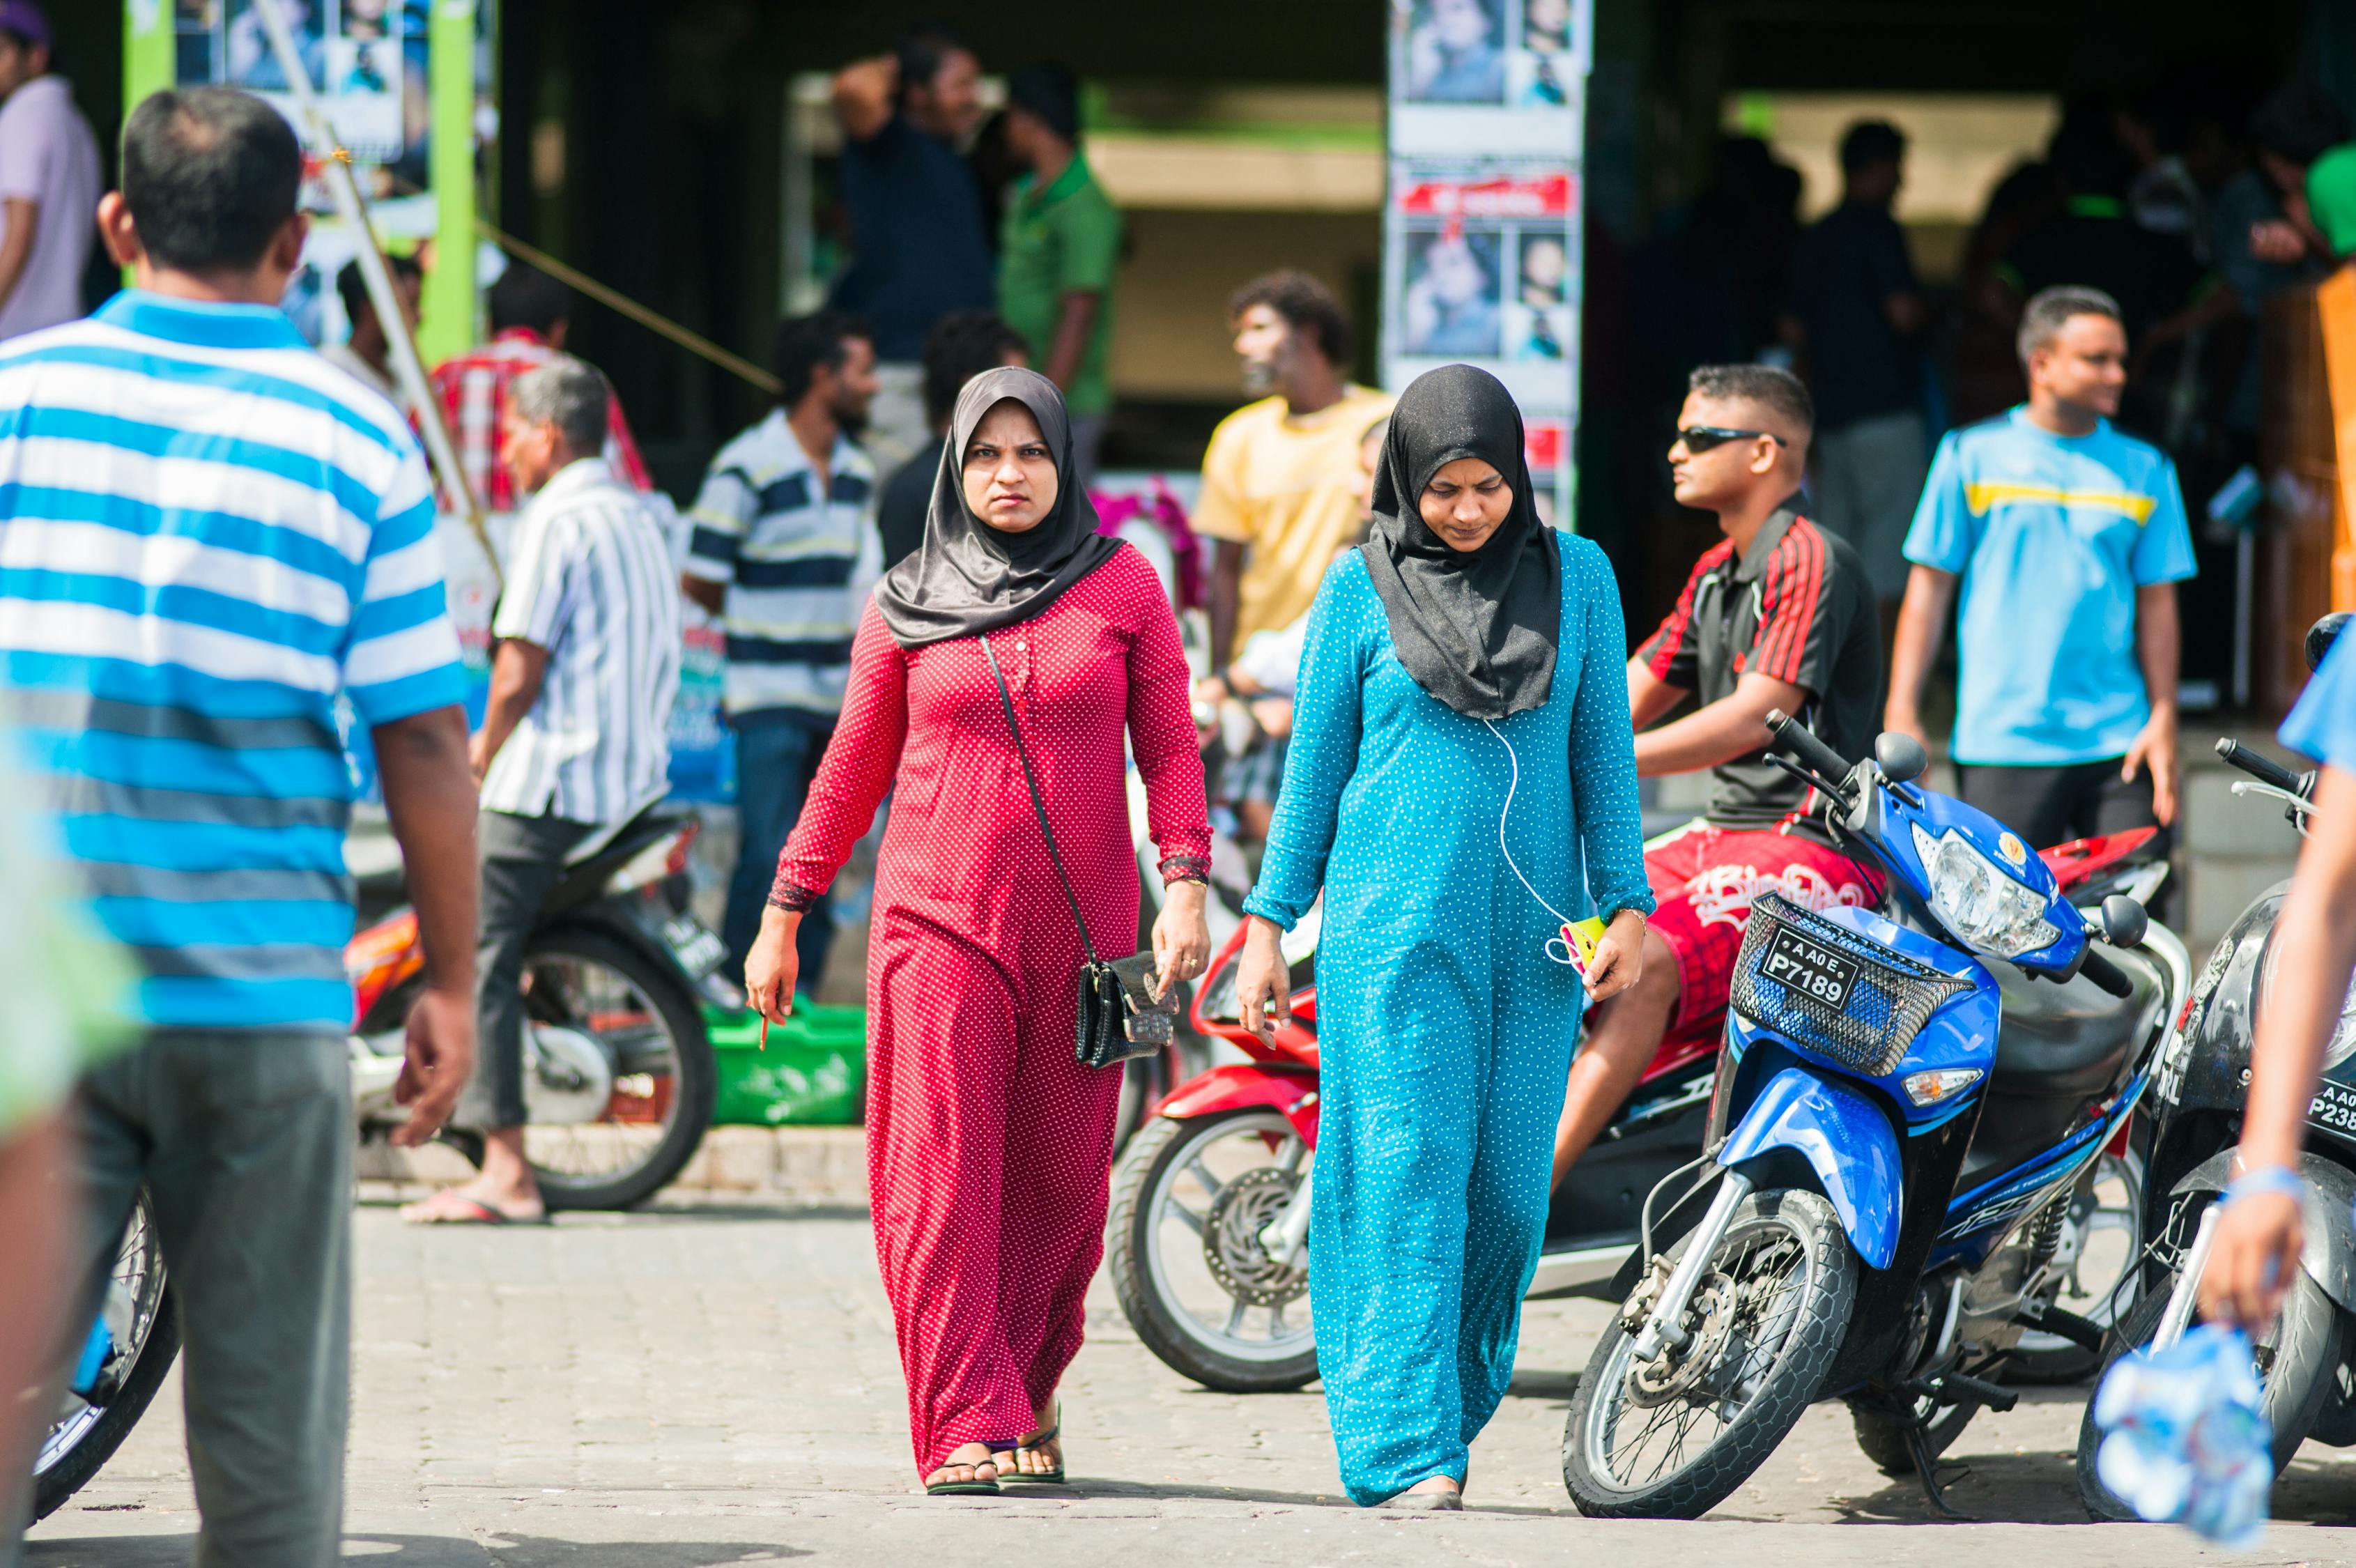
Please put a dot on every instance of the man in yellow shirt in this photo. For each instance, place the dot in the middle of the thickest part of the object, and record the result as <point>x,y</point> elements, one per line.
<point>1280,479</point>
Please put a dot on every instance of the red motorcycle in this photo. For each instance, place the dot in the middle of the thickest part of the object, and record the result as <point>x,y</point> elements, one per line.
<point>1207,1237</point>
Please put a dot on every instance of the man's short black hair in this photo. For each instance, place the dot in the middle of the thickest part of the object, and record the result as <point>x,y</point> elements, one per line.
<point>527,297</point>
<point>210,176</point>
<point>1050,91</point>
<point>2298,124</point>
<point>351,287</point>
<point>1770,386</point>
<point>806,342</point>
<point>961,345</point>
<point>1305,303</point>
<point>922,51</point>
<point>2048,310</point>
<point>1869,143</point>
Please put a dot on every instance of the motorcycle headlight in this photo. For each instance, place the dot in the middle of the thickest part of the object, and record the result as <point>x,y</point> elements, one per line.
<point>1977,902</point>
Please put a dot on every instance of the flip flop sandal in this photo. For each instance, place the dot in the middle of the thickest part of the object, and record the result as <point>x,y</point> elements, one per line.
<point>976,1488</point>
<point>1053,1477</point>
<point>478,1212</point>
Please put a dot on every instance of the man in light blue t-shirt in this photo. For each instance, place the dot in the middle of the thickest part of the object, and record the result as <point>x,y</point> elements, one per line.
<point>2068,538</point>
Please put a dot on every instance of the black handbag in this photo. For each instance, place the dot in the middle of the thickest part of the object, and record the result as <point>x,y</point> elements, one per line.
<point>1121,1019</point>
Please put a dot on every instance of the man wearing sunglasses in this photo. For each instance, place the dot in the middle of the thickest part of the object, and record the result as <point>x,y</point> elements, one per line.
<point>1779,613</point>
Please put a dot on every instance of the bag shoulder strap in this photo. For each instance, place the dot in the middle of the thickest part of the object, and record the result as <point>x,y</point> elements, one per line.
<point>1037,804</point>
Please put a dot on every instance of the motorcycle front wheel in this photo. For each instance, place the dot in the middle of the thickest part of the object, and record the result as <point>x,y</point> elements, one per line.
<point>1672,1438</point>
<point>2298,1366</point>
<point>1182,1244</point>
<point>665,1076</point>
<point>144,1319</point>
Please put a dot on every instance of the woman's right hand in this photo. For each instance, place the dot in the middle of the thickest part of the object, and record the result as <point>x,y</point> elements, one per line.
<point>1263,981</point>
<point>773,966</point>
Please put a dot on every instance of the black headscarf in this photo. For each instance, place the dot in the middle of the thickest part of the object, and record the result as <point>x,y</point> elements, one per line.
<point>1476,631</point>
<point>968,577</point>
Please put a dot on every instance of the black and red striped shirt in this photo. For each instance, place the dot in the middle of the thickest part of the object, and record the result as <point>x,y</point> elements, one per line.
<point>1796,605</point>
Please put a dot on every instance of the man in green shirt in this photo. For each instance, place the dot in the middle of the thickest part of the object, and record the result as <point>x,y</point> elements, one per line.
<point>1058,249</point>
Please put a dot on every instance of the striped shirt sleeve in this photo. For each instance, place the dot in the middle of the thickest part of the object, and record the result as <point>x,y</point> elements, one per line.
<point>1802,623</point>
<point>401,656</point>
<point>536,601</point>
<point>723,510</point>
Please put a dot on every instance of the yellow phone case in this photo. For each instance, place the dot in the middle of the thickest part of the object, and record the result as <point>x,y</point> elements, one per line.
<point>1581,937</point>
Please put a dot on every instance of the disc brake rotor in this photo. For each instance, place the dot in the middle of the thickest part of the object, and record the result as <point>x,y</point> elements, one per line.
<point>1685,1374</point>
<point>1231,1244</point>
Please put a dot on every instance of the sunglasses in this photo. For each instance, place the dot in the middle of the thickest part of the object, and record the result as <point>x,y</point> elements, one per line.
<point>1699,438</point>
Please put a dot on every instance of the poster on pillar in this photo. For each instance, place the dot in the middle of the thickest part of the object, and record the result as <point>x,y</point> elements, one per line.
<point>1482,237</point>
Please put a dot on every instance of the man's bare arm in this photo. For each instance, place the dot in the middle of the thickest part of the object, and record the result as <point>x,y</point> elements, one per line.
<point>862,92</point>
<point>1922,619</point>
<point>1075,319</point>
<point>1226,588</point>
<point>711,595</point>
<point>430,797</point>
<point>1734,725</point>
<point>24,219</point>
<point>1649,696</point>
<point>517,671</point>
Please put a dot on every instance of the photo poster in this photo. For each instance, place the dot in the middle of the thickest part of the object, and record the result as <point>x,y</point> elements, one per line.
<point>370,62</point>
<point>1482,259</point>
<point>1482,268</point>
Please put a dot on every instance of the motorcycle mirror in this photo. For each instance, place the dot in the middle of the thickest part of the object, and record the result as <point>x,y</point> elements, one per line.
<point>1900,757</point>
<point>2322,635</point>
<point>2123,921</point>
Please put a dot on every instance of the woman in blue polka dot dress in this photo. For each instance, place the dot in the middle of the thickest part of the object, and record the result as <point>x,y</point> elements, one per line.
<point>1466,657</point>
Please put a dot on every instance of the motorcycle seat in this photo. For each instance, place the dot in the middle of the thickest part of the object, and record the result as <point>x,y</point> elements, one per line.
<point>2061,1048</point>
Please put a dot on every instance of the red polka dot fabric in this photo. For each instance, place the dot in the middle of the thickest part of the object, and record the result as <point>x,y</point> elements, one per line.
<point>988,1146</point>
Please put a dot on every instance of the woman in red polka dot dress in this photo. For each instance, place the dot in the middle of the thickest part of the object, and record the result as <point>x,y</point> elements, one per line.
<point>988,1146</point>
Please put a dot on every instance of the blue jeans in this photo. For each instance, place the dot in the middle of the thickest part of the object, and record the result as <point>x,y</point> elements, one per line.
<point>777,753</point>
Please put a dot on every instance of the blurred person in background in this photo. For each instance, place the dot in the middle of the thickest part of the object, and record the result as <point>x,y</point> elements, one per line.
<point>783,549</point>
<point>531,317</point>
<point>1282,474</point>
<point>183,719</point>
<point>1058,252</point>
<point>2065,538</point>
<point>48,179</point>
<point>367,354</point>
<point>2094,244</point>
<point>962,345</point>
<point>66,986</point>
<point>1856,319</point>
<point>2303,149</point>
<point>918,230</point>
<point>576,737</point>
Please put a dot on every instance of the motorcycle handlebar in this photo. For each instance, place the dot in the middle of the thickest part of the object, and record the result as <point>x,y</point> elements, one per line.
<point>2264,769</point>
<point>2097,967</point>
<point>1798,742</point>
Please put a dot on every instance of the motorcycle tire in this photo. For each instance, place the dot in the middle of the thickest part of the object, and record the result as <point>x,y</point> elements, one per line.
<point>692,1099</point>
<point>1130,1234</point>
<point>1819,1313</point>
<point>1881,1434</point>
<point>74,1470</point>
<point>2302,1370</point>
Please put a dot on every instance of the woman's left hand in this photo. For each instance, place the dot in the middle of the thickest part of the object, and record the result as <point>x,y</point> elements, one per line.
<point>1619,956</point>
<point>1182,941</point>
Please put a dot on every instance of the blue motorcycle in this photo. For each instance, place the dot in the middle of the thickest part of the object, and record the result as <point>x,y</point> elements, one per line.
<point>1910,1100</point>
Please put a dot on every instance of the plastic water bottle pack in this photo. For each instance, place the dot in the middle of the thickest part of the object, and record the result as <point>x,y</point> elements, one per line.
<point>2184,1441</point>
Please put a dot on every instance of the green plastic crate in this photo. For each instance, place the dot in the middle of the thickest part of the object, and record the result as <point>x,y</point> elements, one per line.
<point>814,1072</point>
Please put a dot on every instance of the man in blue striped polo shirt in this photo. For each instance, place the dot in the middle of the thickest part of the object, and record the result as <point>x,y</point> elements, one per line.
<point>784,552</point>
<point>206,534</point>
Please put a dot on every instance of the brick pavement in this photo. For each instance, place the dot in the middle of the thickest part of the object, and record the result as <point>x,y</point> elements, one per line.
<point>715,1382</point>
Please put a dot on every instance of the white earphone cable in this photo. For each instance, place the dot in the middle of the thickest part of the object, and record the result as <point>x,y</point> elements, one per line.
<point>1513,783</point>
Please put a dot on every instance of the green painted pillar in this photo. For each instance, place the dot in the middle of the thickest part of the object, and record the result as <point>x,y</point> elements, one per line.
<point>446,323</point>
<point>147,60</point>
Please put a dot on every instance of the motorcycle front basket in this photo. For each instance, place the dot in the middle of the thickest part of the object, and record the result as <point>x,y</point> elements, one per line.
<point>1892,999</point>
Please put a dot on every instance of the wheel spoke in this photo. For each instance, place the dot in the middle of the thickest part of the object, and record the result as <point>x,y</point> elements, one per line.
<point>1201,1173</point>
<point>1173,1210</point>
<point>1236,1320</point>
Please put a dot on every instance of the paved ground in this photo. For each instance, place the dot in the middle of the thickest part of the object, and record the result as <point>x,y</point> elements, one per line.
<point>717,1384</point>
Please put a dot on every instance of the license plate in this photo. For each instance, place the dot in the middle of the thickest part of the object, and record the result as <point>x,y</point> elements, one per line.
<point>696,948</point>
<point>1809,968</point>
<point>2333,1109</point>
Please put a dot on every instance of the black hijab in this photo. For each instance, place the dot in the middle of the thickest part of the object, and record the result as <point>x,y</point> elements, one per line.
<point>1476,631</point>
<point>968,577</point>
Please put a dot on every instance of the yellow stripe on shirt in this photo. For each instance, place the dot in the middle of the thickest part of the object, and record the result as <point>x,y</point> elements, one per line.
<point>1980,498</point>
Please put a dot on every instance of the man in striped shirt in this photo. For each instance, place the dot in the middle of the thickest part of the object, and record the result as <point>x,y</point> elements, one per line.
<point>785,550</point>
<point>207,534</point>
<point>576,735</point>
